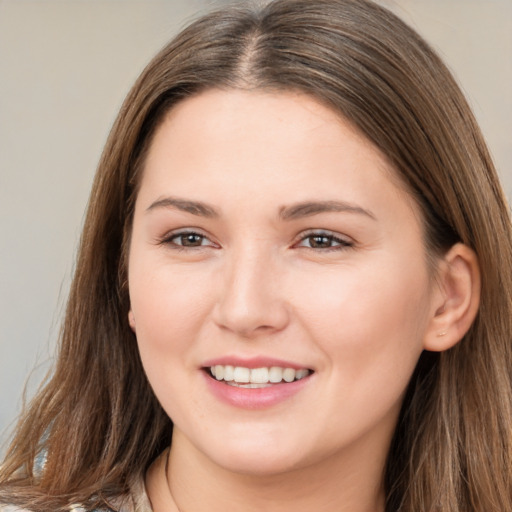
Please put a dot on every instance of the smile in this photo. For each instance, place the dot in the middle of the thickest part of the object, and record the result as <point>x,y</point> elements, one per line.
<point>240,376</point>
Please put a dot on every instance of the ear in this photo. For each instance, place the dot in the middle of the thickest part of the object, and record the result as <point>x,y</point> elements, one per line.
<point>456,299</point>
<point>131,319</point>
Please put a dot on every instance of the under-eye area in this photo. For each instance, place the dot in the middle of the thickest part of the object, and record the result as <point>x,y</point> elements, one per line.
<point>256,377</point>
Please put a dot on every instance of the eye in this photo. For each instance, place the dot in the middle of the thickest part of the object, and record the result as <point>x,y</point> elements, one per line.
<point>323,241</point>
<point>187,239</point>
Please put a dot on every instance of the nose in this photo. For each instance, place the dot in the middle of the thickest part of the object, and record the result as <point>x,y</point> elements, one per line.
<point>251,299</point>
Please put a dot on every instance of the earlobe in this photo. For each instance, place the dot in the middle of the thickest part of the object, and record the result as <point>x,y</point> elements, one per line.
<point>131,320</point>
<point>456,299</point>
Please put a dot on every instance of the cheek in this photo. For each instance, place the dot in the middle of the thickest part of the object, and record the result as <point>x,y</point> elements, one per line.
<point>166,307</point>
<point>369,319</point>
<point>369,327</point>
<point>169,310</point>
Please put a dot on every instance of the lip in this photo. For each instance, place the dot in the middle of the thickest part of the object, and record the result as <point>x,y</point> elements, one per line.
<point>254,398</point>
<point>259,398</point>
<point>252,362</point>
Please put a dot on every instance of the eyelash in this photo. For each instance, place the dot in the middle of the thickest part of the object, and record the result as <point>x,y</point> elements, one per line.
<point>328,238</point>
<point>170,239</point>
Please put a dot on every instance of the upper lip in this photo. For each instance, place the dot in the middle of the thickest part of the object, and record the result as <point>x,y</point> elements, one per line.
<point>253,362</point>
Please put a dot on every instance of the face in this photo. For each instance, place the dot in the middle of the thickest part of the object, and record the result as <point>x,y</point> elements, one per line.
<point>278,282</point>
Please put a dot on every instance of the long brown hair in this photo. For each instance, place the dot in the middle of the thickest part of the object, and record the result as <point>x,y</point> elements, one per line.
<point>97,422</point>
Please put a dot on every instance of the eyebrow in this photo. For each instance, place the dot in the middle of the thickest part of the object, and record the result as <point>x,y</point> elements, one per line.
<point>194,207</point>
<point>292,212</point>
<point>309,208</point>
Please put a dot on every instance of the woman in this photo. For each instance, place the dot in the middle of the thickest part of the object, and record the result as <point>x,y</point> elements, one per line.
<point>295,271</point>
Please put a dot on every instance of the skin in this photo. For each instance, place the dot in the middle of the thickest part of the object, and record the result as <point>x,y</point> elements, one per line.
<point>358,309</point>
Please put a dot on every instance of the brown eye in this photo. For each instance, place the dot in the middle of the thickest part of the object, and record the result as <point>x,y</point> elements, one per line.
<point>323,241</point>
<point>320,241</point>
<point>189,240</point>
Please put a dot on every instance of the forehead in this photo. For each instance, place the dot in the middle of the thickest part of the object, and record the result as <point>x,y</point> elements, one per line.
<point>271,143</point>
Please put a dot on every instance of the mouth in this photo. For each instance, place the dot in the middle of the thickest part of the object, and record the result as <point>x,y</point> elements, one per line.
<point>256,378</point>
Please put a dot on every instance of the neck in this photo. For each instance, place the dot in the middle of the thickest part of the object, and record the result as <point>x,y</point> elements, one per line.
<point>343,482</point>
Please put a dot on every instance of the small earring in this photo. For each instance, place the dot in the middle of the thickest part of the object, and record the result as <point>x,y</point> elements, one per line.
<point>439,334</point>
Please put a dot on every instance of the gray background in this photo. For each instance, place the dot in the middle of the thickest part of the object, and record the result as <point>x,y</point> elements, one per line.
<point>65,67</point>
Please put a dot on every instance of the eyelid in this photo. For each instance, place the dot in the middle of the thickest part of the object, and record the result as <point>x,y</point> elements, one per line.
<point>342,241</point>
<point>167,238</point>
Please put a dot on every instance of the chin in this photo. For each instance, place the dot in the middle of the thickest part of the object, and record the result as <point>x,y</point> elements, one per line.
<point>254,452</point>
<point>258,463</point>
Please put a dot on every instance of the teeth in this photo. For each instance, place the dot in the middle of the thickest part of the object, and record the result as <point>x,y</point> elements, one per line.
<point>249,386</point>
<point>255,377</point>
<point>299,374</point>
<point>229,373</point>
<point>259,375</point>
<point>219,372</point>
<point>242,375</point>
<point>288,374</point>
<point>275,374</point>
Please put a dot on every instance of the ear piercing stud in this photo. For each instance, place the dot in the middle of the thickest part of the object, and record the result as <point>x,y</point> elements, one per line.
<point>439,334</point>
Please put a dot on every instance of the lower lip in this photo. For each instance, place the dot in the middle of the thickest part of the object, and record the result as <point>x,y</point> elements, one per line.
<point>255,398</point>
